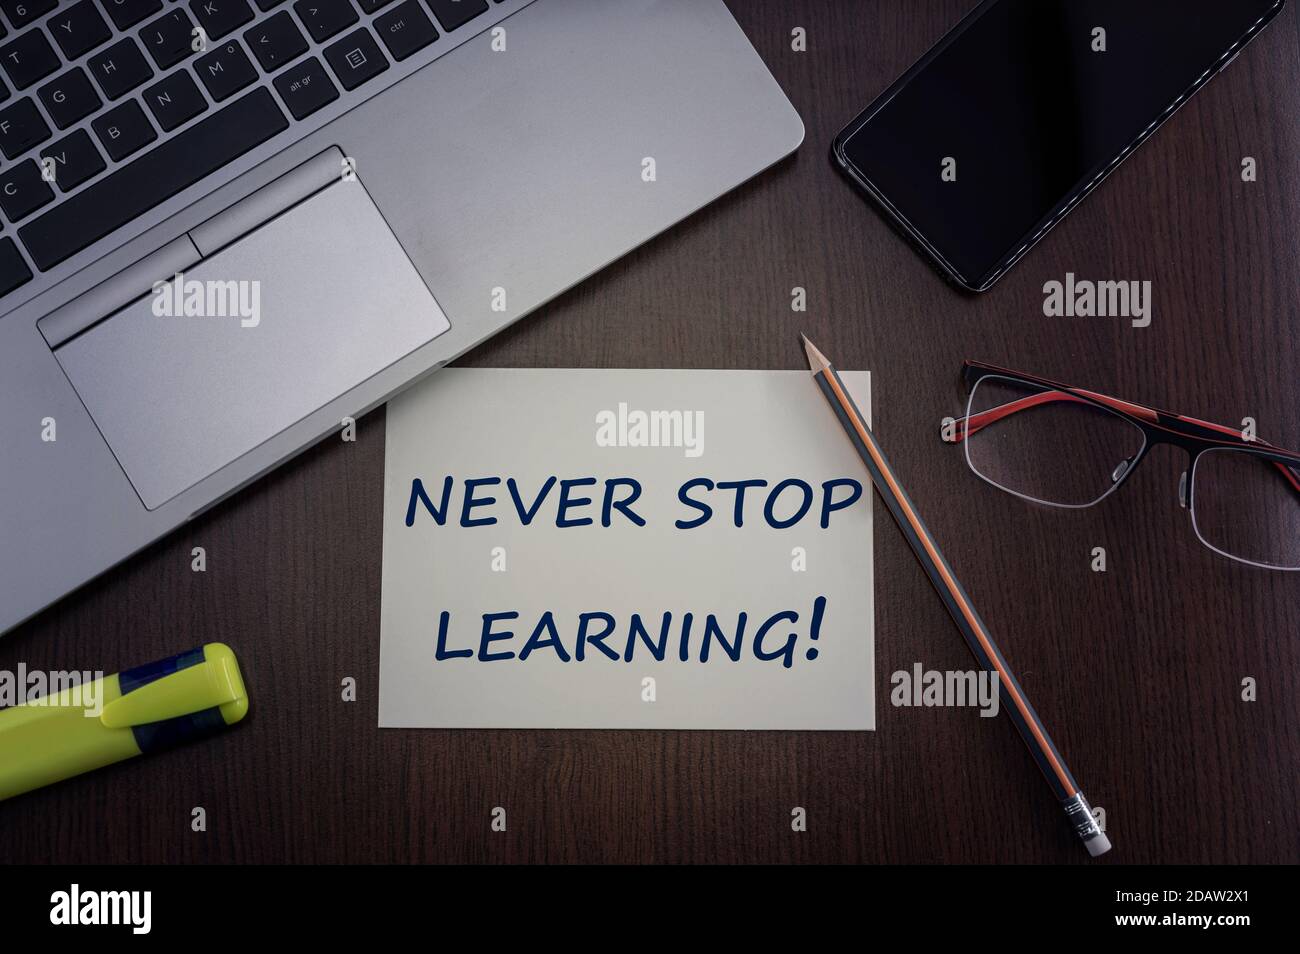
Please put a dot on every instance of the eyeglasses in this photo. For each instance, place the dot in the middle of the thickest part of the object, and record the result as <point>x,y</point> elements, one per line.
<point>1067,447</point>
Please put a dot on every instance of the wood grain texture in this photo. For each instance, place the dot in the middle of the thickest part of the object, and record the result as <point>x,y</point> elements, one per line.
<point>1136,671</point>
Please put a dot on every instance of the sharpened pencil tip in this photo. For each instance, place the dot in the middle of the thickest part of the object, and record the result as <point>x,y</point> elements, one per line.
<point>816,360</point>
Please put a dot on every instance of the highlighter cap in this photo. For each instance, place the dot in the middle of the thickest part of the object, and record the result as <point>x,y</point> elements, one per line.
<point>182,697</point>
<point>142,710</point>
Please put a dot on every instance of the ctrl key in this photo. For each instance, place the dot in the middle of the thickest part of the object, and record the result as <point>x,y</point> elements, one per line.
<point>13,270</point>
<point>305,87</point>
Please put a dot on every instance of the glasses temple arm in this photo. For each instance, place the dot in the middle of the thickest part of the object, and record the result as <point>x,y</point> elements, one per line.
<point>973,423</point>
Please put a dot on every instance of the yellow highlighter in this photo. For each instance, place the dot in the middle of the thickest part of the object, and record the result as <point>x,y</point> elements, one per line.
<point>145,709</point>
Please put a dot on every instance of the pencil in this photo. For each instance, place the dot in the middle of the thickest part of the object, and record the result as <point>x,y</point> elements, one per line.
<point>959,605</point>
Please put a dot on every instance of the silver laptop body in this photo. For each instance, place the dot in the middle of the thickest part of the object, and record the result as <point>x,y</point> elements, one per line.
<point>161,368</point>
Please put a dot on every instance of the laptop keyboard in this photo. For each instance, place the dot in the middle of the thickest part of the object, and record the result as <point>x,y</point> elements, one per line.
<point>140,70</point>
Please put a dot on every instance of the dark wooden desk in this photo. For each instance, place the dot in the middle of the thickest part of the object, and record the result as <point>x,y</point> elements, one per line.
<point>1137,670</point>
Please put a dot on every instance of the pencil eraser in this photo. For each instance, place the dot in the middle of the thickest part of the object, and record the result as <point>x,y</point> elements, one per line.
<point>1099,844</point>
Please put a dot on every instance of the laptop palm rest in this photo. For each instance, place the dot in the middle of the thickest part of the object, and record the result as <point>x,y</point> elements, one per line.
<point>247,325</point>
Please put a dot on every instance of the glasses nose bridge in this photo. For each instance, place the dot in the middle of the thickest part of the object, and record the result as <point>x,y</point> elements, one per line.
<point>1151,442</point>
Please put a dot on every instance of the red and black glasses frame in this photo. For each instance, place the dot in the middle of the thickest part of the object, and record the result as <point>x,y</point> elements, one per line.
<point>1192,435</point>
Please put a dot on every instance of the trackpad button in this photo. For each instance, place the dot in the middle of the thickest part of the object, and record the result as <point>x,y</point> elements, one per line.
<point>251,340</point>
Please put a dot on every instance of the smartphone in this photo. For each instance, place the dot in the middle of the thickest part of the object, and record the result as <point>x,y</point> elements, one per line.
<point>1022,109</point>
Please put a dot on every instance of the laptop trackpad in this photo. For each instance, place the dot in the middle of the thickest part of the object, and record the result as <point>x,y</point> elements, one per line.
<point>254,338</point>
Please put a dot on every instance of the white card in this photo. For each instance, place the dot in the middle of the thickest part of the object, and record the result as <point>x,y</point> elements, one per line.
<point>510,603</point>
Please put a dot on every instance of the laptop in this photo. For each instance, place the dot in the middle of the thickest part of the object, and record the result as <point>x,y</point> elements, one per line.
<point>228,227</point>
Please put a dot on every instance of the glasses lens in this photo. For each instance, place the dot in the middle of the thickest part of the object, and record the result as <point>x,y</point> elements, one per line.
<point>1247,506</point>
<point>1047,445</point>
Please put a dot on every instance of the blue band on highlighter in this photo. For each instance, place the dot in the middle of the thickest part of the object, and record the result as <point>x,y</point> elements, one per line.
<point>156,736</point>
<point>129,680</point>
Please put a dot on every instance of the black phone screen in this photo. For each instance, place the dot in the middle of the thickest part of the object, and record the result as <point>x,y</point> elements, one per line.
<point>1024,106</point>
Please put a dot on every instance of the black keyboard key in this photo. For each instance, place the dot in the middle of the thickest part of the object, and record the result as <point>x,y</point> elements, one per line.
<point>79,29</point>
<point>219,17</point>
<point>370,6</point>
<point>13,270</point>
<point>4,92</point>
<point>170,38</point>
<point>23,191</point>
<point>21,127</point>
<point>174,100</point>
<point>28,58</point>
<point>157,175</point>
<point>69,98</point>
<point>454,13</point>
<point>275,41</point>
<point>23,12</point>
<point>265,5</point>
<point>405,29</point>
<point>124,130</point>
<point>226,70</point>
<point>305,87</point>
<point>75,160</point>
<point>324,18</point>
<point>119,69</point>
<point>127,13</point>
<point>355,58</point>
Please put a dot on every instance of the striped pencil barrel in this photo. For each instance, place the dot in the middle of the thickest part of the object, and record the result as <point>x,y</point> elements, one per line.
<point>959,605</point>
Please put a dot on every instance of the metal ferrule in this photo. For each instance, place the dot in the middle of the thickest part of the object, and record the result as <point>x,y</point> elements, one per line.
<point>1085,825</point>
